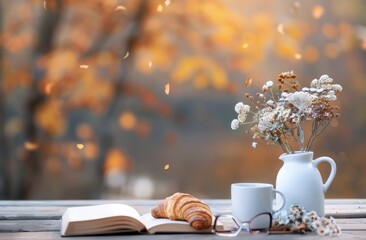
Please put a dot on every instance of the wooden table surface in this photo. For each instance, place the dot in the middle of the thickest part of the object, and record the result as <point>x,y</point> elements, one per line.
<point>41,219</point>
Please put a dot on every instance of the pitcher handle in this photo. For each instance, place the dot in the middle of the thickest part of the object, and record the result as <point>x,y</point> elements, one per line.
<point>333,170</point>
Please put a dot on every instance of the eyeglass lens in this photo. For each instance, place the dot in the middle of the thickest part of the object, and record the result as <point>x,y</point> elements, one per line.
<point>227,225</point>
<point>260,224</point>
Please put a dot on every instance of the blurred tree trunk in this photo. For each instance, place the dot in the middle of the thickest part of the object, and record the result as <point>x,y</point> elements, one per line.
<point>30,167</point>
<point>107,139</point>
<point>4,156</point>
<point>50,20</point>
<point>48,26</point>
<point>110,118</point>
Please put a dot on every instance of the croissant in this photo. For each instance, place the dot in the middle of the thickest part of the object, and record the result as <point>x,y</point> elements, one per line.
<point>183,206</point>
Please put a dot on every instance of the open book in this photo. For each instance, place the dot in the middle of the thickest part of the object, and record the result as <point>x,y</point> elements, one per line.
<point>117,218</point>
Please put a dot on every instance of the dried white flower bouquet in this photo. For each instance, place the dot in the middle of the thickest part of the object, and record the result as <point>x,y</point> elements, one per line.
<point>279,115</point>
<point>299,220</point>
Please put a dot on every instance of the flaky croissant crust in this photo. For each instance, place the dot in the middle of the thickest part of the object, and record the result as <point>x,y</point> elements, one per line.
<point>183,206</point>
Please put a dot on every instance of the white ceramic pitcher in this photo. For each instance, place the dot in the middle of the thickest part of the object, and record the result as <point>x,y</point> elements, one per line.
<point>301,183</point>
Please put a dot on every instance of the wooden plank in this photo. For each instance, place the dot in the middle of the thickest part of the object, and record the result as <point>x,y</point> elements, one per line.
<point>30,235</point>
<point>346,215</point>
<point>352,221</point>
<point>346,211</point>
<point>353,224</point>
<point>347,201</point>
<point>345,206</point>
<point>30,225</point>
<point>27,213</point>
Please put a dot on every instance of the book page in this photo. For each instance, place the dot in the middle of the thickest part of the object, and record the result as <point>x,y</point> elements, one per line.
<point>163,225</point>
<point>101,211</point>
<point>101,219</point>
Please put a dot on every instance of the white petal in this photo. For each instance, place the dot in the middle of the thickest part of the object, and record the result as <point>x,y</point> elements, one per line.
<point>235,124</point>
<point>238,107</point>
<point>269,83</point>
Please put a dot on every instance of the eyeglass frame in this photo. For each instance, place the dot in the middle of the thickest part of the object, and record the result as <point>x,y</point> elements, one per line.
<point>241,224</point>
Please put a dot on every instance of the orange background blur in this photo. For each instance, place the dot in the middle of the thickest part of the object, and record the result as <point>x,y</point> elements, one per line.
<point>134,98</point>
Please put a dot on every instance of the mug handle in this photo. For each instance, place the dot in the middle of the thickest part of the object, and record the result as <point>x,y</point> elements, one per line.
<point>333,170</point>
<point>283,198</point>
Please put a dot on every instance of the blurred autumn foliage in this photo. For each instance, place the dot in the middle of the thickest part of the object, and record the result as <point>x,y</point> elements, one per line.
<point>134,98</point>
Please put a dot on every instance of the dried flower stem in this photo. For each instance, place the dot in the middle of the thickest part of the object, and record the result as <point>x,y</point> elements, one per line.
<point>315,132</point>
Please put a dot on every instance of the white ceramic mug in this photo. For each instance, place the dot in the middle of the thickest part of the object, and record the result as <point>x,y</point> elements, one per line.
<point>250,199</point>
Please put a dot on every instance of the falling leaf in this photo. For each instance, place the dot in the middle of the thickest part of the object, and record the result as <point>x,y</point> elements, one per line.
<point>245,45</point>
<point>167,2</point>
<point>120,7</point>
<point>280,29</point>
<point>159,8</point>
<point>167,89</point>
<point>30,145</point>
<point>84,66</point>
<point>150,64</point>
<point>166,167</point>
<point>80,146</point>
<point>126,55</point>
<point>248,82</point>
<point>45,5</point>
<point>297,56</point>
<point>318,11</point>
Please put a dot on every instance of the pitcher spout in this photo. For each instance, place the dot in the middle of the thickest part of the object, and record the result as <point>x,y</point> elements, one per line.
<point>297,156</point>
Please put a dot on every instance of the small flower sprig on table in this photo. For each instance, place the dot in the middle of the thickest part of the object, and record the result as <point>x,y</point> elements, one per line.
<point>278,116</point>
<point>300,220</point>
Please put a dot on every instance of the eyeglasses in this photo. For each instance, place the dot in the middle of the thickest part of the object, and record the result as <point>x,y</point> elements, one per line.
<point>230,226</point>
